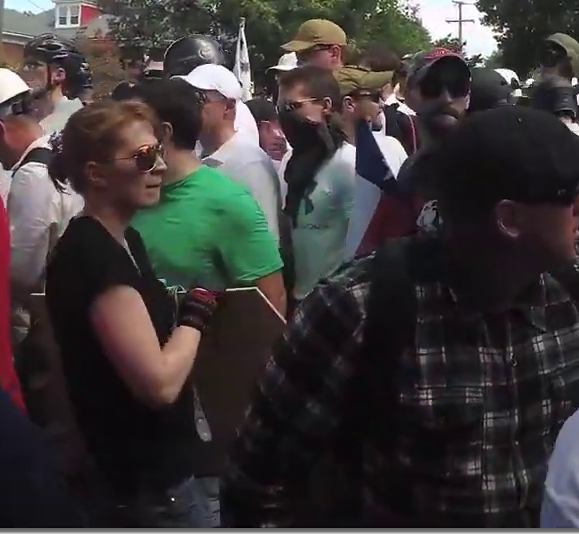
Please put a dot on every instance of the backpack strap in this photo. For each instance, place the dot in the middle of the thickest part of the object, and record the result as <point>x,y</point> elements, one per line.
<point>36,155</point>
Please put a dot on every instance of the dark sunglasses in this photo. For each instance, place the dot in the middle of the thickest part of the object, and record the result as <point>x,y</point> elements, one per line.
<point>147,157</point>
<point>455,83</point>
<point>290,106</point>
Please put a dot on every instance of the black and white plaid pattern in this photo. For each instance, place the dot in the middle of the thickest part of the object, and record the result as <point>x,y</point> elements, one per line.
<point>483,398</point>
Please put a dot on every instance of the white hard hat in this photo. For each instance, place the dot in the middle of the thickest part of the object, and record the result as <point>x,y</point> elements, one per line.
<point>508,74</point>
<point>286,62</point>
<point>11,85</point>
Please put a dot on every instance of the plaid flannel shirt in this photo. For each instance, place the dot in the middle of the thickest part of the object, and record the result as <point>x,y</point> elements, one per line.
<point>484,398</point>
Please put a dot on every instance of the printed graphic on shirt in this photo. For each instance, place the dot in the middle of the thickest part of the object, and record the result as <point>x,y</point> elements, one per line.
<point>429,219</point>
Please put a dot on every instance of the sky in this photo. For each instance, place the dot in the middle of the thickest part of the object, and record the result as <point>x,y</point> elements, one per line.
<point>479,39</point>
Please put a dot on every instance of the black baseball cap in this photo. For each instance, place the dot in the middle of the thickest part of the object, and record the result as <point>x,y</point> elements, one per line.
<point>509,153</point>
<point>422,62</point>
<point>262,110</point>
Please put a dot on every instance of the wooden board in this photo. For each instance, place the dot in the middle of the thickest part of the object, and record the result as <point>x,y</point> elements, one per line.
<point>233,352</point>
<point>232,355</point>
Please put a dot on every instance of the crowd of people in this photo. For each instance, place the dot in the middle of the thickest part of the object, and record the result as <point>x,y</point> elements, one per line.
<point>415,220</point>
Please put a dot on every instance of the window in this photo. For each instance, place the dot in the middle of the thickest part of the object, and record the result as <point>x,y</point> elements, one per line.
<point>62,16</point>
<point>74,12</point>
<point>68,16</point>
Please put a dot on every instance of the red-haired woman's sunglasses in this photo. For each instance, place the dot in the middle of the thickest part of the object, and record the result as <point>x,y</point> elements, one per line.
<point>147,157</point>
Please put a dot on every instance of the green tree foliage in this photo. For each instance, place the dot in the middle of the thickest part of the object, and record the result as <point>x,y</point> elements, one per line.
<point>521,25</point>
<point>452,43</point>
<point>150,24</point>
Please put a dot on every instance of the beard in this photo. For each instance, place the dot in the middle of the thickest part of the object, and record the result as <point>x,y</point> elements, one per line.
<point>440,120</point>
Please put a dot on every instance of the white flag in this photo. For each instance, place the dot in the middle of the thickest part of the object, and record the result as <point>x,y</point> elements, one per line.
<point>242,69</point>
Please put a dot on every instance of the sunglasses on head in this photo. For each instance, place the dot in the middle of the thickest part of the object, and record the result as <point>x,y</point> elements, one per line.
<point>147,157</point>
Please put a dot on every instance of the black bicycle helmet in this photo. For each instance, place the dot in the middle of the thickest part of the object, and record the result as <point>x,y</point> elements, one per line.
<point>186,53</point>
<point>51,49</point>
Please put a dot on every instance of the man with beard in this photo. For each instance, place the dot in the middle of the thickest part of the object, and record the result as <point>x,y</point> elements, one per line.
<point>449,360</point>
<point>438,90</point>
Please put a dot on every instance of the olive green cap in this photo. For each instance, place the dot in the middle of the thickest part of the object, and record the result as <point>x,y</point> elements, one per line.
<point>316,32</point>
<point>353,78</point>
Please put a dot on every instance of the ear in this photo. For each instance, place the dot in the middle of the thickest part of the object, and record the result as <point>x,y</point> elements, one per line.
<point>336,51</point>
<point>327,105</point>
<point>509,219</point>
<point>94,174</point>
<point>348,104</point>
<point>467,101</point>
<point>3,130</point>
<point>58,74</point>
<point>167,132</point>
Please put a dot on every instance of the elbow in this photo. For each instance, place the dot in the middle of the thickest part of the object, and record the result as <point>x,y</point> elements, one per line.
<point>158,396</point>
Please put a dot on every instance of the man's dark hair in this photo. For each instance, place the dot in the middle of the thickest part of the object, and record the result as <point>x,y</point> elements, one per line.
<point>379,57</point>
<point>176,103</point>
<point>316,81</point>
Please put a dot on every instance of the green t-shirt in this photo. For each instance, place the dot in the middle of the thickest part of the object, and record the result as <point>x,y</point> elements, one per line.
<point>207,230</point>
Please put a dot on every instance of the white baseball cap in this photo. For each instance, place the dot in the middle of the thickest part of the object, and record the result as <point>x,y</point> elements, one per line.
<point>286,62</point>
<point>212,77</point>
<point>11,85</point>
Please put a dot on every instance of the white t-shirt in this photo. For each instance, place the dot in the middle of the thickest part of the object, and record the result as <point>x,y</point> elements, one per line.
<point>39,214</point>
<point>63,109</point>
<point>561,498</point>
<point>367,195</point>
<point>247,164</point>
<point>244,124</point>
<point>402,107</point>
<point>322,222</point>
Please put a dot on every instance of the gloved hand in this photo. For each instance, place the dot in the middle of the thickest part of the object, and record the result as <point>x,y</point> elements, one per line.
<point>196,308</point>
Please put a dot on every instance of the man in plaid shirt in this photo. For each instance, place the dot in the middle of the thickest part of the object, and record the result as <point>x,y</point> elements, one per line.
<point>452,428</point>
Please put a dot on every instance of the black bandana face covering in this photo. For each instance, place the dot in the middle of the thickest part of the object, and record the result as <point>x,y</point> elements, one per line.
<point>304,134</point>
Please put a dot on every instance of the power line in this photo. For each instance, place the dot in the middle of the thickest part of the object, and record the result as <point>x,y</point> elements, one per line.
<point>460,20</point>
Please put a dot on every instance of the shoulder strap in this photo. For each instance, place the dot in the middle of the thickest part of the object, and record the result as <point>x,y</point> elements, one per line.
<point>391,309</point>
<point>37,155</point>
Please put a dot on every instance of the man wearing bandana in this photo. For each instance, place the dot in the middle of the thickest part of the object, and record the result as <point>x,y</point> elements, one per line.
<point>319,173</point>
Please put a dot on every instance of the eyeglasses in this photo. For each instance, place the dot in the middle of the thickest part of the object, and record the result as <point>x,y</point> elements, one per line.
<point>454,83</point>
<point>147,157</point>
<point>293,105</point>
<point>306,55</point>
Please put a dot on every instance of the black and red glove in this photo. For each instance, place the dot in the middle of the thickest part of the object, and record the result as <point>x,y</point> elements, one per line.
<point>197,307</point>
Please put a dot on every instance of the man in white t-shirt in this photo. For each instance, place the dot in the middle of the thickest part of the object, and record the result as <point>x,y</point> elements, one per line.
<point>56,72</point>
<point>229,150</point>
<point>319,172</point>
<point>361,91</point>
<point>39,211</point>
<point>188,53</point>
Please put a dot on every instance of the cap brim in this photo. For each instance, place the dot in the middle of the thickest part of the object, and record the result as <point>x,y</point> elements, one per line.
<point>194,82</point>
<point>377,80</point>
<point>297,46</point>
<point>282,68</point>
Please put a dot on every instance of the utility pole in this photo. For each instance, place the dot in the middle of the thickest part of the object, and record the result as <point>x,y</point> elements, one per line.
<point>460,21</point>
<point>1,32</point>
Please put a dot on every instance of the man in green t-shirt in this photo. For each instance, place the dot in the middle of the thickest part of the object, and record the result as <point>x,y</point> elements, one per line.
<point>206,229</point>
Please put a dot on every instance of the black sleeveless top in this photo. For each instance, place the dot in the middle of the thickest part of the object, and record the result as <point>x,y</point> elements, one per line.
<point>133,445</point>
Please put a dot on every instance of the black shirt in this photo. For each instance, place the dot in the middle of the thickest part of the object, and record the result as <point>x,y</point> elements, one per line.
<point>133,445</point>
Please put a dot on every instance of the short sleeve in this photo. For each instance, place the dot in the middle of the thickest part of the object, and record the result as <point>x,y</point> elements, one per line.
<point>90,261</point>
<point>248,249</point>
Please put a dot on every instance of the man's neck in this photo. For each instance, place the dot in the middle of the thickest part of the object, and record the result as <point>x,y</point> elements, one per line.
<point>213,142</point>
<point>182,163</point>
<point>29,136</point>
<point>486,282</point>
<point>350,131</point>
